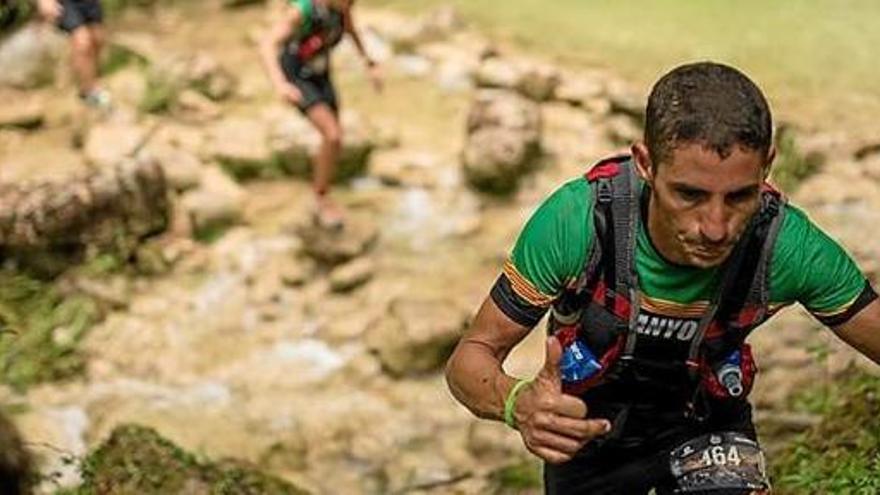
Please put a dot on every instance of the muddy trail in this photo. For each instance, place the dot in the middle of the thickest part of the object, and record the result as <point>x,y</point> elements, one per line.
<point>318,357</point>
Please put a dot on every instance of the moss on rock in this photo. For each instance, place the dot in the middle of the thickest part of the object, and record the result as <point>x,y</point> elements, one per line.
<point>137,460</point>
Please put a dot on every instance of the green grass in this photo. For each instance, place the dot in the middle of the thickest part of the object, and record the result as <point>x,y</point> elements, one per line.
<point>791,166</point>
<point>40,331</point>
<point>814,58</point>
<point>842,453</point>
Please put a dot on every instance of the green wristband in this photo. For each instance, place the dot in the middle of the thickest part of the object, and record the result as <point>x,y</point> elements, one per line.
<point>510,401</point>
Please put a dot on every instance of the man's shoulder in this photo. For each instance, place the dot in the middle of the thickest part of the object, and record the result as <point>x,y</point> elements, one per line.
<point>573,194</point>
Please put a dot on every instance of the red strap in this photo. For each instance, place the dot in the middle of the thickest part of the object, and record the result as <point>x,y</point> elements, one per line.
<point>566,335</point>
<point>747,316</point>
<point>622,305</point>
<point>604,170</point>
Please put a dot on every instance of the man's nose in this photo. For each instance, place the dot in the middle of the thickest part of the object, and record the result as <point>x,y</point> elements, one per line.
<point>713,225</point>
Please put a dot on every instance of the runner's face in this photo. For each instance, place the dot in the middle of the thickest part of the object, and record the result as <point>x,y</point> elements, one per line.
<point>701,202</point>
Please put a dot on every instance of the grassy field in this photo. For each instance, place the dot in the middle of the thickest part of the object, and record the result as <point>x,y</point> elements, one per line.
<point>815,58</point>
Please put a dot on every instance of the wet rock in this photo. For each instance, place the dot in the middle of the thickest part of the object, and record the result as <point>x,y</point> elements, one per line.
<point>241,147</point>
<point>498,73</point>
<point>216,203</point>
<point>405,167</point>
<point>622,130</point>
<point>406,36</point>
<point>128,86</point>
<point>29,57</point>
<point>455,76</point>
<point>504,140</point>
<point>411,65</point>
<point>352,275</point>
<point>183,170</point>
<point>292,141</point>
<point>63,428</point>
<point>494,108</point>
<point>336,247</point>
<point>538,82</point>
<point>417,335</point>
<point>28,115</point>
<point>192,106</point>
<point>110,207</point>
<point>578,90</point>
<point>625,101</point>
<point>110,143</point>
<point>207,76</point>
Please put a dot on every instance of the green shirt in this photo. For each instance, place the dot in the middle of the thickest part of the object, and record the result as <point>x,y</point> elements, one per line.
<point>807,266</point>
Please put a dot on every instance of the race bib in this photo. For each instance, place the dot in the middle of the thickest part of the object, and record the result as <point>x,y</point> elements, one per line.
<point>726,461</point>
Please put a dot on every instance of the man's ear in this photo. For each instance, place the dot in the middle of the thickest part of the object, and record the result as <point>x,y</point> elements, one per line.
<point>768,165</point>
<point>642,158</point>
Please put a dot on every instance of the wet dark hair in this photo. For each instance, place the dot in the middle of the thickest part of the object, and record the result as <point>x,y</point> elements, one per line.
<point>707,103</point>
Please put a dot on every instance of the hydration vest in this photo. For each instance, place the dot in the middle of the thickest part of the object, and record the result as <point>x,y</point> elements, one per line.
<point>601,309</point>
<point>321,29</point>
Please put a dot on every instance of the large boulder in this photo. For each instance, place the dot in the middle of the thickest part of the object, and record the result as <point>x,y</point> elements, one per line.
<point>241,147</point>
<point>28,58</point>
<point>215,204</point>
<point>503,142</point>
<point>183,169</point>
<point>417,335</point>
<point>333,248</point>
<point>533,80</point>
<point>407,35</point>
<point>28,114</point>
<point>110,143</point>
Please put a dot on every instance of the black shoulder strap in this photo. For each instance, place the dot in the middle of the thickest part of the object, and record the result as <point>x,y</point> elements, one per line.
<point>744,276</point>
<point>616,214</point>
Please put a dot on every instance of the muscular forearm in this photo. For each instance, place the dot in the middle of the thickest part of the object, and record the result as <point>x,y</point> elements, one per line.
<point>476,379</point>
<point>863,331</point>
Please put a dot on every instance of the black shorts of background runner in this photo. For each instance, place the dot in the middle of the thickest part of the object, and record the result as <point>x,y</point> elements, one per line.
<point>78,13</point>
<point>315,88</point>
<point>635,470</point>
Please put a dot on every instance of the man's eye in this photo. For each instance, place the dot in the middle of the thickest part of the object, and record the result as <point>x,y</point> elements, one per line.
<point>690,194</point>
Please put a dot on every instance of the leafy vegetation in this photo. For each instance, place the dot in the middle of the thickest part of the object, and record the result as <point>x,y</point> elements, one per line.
<point>40,331</point>
<point>136,459</point>
<point>792,166</point>
<point>521,477</point>
<point>842,453</point>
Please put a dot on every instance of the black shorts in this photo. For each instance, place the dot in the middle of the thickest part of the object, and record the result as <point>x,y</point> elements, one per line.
<point>78,13</point>
<point>315,88</point>
<point>613,470</point>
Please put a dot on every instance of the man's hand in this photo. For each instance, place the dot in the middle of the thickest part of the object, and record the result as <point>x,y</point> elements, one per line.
<point>553,425</point>
<point>288,93</point>
<point>50,10</point>
<point>375,75</point>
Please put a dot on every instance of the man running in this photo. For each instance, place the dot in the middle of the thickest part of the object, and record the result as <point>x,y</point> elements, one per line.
<point>656,266</point>
<point>82,20</point>
<point>296,54</point>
